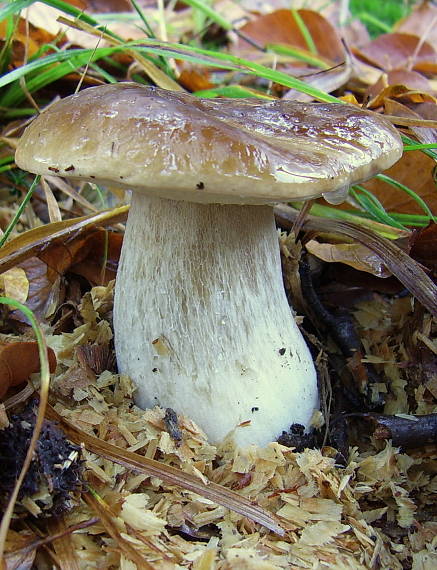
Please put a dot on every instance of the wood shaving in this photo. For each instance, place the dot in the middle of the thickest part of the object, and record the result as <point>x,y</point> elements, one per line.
<point>362,515</point>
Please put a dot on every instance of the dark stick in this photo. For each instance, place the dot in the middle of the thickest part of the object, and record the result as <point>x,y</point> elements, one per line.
<point>404,432</point>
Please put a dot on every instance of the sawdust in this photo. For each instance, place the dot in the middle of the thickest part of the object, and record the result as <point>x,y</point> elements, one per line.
<point>370,513</point>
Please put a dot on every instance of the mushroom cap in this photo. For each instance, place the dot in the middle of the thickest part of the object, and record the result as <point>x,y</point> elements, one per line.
<point>177,146</point>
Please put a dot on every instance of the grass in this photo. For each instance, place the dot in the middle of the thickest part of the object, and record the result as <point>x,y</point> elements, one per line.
<point>379,17</point>
<point>42,404</point>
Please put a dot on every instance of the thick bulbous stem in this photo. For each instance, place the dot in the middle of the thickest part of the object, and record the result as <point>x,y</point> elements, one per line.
<point>202,323</point>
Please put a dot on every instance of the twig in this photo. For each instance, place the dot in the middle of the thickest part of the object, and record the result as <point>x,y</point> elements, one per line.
<point>408,271</point>
<point>412,431</point>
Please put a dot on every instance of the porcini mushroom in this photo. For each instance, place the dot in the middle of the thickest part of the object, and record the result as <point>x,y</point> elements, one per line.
<point>201,320</point>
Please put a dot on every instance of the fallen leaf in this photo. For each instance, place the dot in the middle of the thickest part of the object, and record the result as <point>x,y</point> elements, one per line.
<point>46,253</point>
<point>424,248</point>
<point>44,290</point>
<point>395,259</point>
<point>397,51</point>
<point>421,21</point>
<point>195,78</point>
<point>103,6</point>
<point>410,80</point>
<point>97,261</point>
<point>426,110</point>
<point>94,256</point>
<point>400,93</point>
<point>14,284</point>
<point>19,553</point>
<point>414,170</point>
<point>35,241</point>
<point>356,255</point>
<point>280,27</point>
<point>326,80</point>
<point>26,40</point>
<point>18,360</point>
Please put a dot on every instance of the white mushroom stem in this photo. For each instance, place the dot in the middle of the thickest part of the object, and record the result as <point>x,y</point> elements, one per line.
<point>202,323</point>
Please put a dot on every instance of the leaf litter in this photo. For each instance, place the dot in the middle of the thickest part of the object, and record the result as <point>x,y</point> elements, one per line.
<point>156,494</point>
<point>344,515</point>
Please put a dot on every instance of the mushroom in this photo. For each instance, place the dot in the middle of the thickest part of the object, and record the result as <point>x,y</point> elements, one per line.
<point>201,319</point>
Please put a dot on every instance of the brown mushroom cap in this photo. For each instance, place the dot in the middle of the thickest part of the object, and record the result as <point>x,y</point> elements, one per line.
<point>177,146</point>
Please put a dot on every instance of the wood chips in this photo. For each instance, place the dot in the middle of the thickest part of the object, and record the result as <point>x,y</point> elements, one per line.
<point>369,514</point>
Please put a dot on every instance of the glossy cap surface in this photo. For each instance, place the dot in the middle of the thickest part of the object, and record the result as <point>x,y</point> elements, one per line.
<point>177,146</point>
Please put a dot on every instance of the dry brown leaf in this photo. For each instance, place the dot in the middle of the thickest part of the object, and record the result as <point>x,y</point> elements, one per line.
<point>326,80</point>
<point>103,6</point>
<point>396,260</point>
<point>33,242</point>
<point>415,170</point>
<point>356,255</point>
<point>26,40</point>
<point>18,360</point>
<point>280,27</point>
<point>46,253</point>
<point>195,78</point>
<point>97,260</point>
<point>421,22</point>
<point>17,557</point>
<point>402,94</point>
<point>424,247</point>
<point>411,80</point>
<point>427,111</point>
<point>94,256</point>
<point>397,51</point>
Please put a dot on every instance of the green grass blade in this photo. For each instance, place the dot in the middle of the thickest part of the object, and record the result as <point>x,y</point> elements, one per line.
<point>413,219</point>
<point>411,142</point>
<point>17,113</point>
<point>367,18</point>
<point>44,390</point>
<point>209,12</point>
<point>38,64</point>
<point>297,53</point>
<point>77,58</point>
<point>6,163</point>
<point>103,73</point>
<point>358,218</point>
<point>20,210</point>
<point>6,168</point>
<point>420,146</point>
<point>148,29</point>
<point>228,61</point>
<point>408,191</point>
<point>373,206</point>
<point>151,35</point>
<point>14,7</point>
<point>304,31</point>
<point>47,72</point>
<point>6,160</point>
<point>234,92</point>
